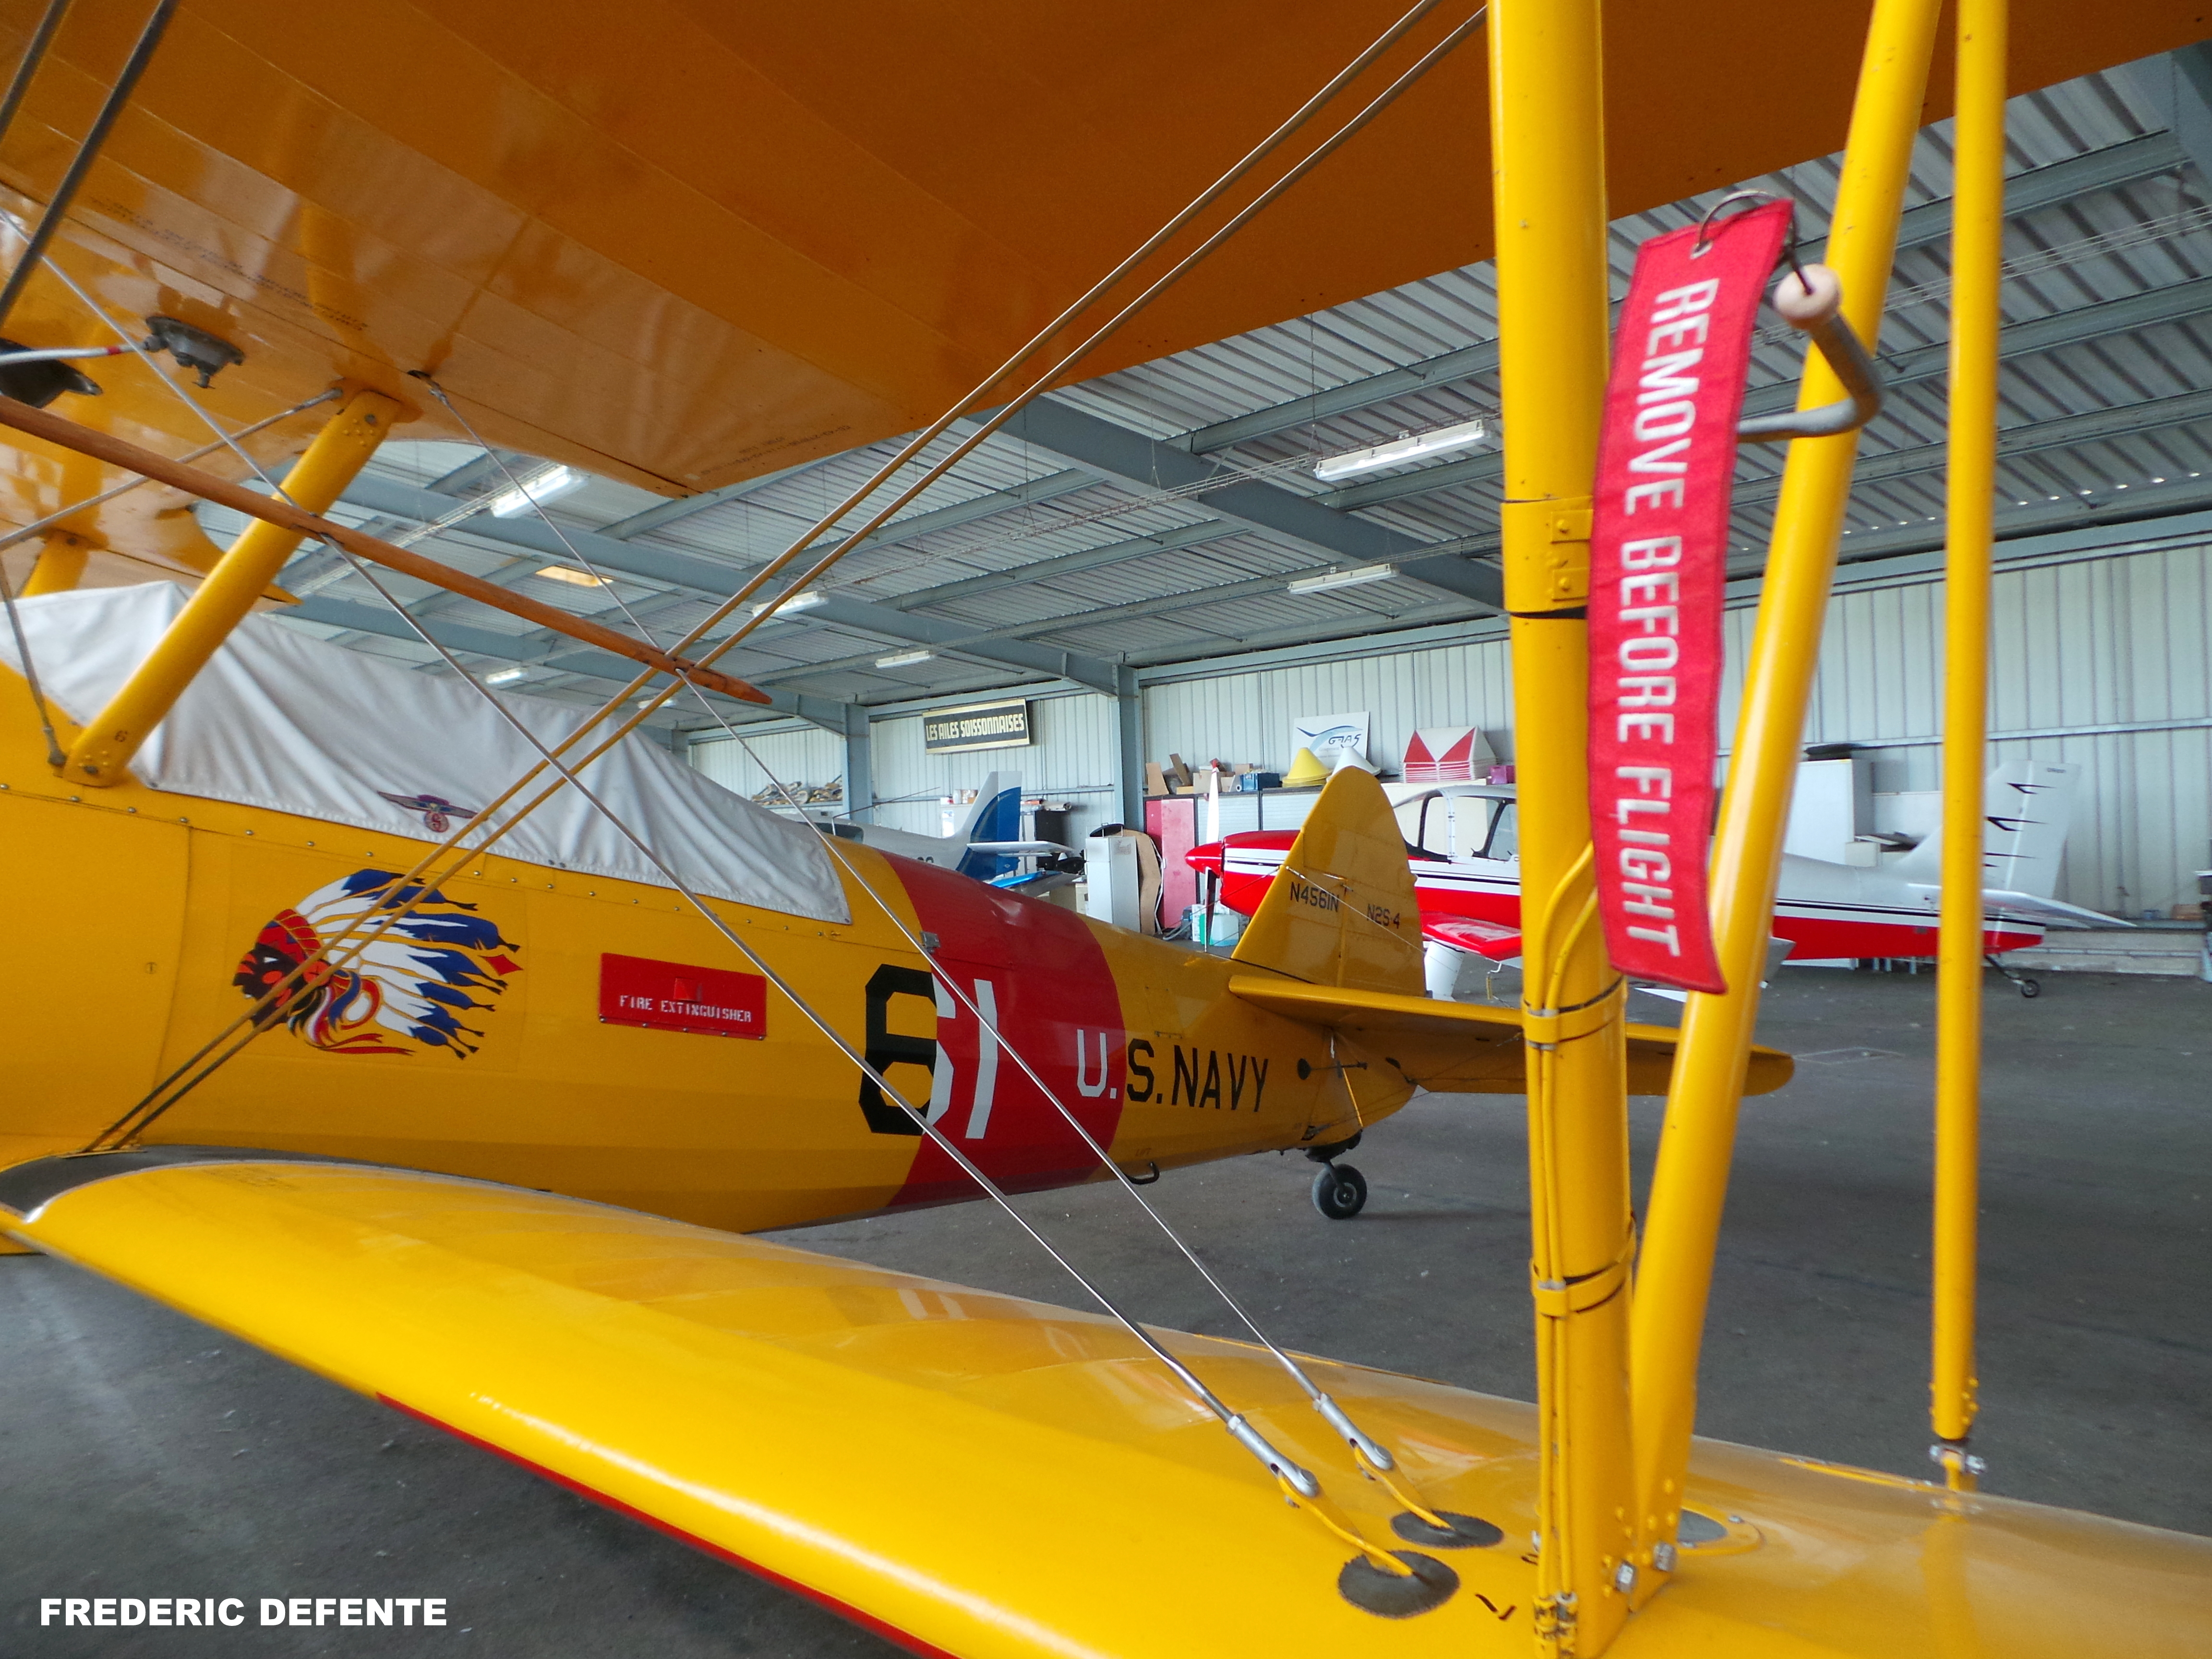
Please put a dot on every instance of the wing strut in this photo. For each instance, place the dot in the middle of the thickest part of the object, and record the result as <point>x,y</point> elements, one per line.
<point>1976,272</point>
<point>1675,1270</point>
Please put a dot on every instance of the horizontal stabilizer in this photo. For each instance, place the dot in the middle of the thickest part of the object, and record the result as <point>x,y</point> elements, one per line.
<point>1486,938</point>
<point>2044,912</point>
<point>1466,1048</point>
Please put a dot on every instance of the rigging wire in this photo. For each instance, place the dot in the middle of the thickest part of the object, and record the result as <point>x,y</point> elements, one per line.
<point>11,538</point>
<point>613,706</point>
<point>1370,1449</point>
<point>1298,1479</point>
<point>55,757</point>
<point>142,54</point>
<point>34,55</point>
<point>352,949</point>
<point>1381,101</point>
<point>1295,1479</point>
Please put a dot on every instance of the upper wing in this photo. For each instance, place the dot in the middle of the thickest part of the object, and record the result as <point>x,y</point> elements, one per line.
<point>1468,1047</point>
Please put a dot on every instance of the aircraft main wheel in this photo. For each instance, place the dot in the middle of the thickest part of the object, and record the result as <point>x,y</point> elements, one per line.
<point>1339,1192</point>
<point>2031,988</point>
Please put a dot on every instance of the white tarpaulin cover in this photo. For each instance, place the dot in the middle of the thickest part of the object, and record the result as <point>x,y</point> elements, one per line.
<point>284,720</point>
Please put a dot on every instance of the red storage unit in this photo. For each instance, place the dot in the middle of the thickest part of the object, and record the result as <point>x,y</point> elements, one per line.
<point>1172,823</point>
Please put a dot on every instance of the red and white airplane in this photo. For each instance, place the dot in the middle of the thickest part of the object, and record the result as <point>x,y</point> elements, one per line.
<point>1464,841</point>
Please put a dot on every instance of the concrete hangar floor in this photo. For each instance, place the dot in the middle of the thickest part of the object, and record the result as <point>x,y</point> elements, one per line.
<point>142,1454</point>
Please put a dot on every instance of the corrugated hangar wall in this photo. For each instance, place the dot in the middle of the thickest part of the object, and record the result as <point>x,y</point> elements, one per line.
<point>2102,659</point>
<point>804,753</point>
<point>1071,757</point>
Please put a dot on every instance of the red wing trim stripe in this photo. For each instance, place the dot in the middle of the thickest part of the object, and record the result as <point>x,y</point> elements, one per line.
<point>866,1621</point>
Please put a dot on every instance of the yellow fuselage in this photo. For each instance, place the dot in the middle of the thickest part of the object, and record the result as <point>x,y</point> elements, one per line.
<point>132,910</point>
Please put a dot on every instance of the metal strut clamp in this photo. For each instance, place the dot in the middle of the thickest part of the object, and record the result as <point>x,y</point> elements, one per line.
<point>1811,299</point>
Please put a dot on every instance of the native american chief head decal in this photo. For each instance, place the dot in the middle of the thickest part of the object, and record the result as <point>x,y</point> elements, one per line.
<point>406,969</point>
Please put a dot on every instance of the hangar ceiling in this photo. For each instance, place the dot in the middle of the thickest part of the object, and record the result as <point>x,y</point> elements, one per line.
<point>1163,512</point>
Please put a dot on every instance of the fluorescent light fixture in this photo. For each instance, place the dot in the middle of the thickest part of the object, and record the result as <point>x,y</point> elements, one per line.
<point>538,487</point>
<point>1406,446</point>
<point>904,658</point>
<point>561,572</point>
<point>505,676</point>
<point>1352,578</point>
<point>791,606</point>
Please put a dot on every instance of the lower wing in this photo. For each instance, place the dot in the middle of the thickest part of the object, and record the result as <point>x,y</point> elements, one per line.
<point>969,1473</point>
<point>963,1473</point>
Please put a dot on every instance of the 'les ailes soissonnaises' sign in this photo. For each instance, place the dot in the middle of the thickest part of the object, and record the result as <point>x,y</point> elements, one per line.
<point>979,725</point>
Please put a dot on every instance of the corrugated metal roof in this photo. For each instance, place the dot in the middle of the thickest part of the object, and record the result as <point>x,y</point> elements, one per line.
<point>2103,418</point>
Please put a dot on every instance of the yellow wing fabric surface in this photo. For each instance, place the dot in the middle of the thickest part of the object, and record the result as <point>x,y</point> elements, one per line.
<point>1468,1048</point>
<point>972,1475</point>
<point>968,1473</point>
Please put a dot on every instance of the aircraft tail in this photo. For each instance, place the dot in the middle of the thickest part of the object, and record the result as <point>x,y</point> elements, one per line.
<point>1342,910</point>
<point>2027,807</point>
<point>996,815</point>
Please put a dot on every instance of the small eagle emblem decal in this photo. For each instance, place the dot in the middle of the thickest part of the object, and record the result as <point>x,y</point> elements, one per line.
<point>438,813</point>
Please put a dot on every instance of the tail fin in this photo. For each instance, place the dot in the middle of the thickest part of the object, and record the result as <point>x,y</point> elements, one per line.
<point>2030,806</point>
<point>2026,808</point>
<point>996,816</point>
<point>1342,910</point>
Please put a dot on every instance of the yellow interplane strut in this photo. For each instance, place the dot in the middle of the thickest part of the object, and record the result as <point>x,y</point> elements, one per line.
<point>1675,1273</point>
<point>1547,149</point>
<point>1976,272</point>
<point>103,751</point>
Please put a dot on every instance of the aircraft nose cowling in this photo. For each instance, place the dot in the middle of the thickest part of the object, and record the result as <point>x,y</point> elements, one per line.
<point>1208,857</point>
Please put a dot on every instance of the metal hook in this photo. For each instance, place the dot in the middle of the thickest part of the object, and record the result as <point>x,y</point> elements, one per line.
<point>1814,309</point>
<point>1704,241</point>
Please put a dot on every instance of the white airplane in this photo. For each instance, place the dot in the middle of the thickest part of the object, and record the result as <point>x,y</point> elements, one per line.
<point>986,846</point>
<point>1463,842</point>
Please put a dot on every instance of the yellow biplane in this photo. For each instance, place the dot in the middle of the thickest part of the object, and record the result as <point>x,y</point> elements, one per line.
<point>457,1076</point>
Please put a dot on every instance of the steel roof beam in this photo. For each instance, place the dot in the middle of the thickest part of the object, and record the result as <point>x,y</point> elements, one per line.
<point>2178,85</point>
<point>1199,648</point>
<point>525,649</point>
<point>2040,187</point>
<point>1130,458</point>
<point>1036,490</point>
<point>647,519</point>
<point>1920,363</point>
<point>2151,505</point>
<point>2127,420</point>
<point>1242,587</point>
<point>2014,443</point>
<point>703,577</point>
<point>1069,564</point>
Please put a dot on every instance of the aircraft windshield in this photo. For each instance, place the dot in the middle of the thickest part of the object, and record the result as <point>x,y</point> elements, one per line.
<point>1504,832</point>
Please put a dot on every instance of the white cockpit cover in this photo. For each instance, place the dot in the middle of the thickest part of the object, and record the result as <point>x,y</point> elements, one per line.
<point>284,720</point>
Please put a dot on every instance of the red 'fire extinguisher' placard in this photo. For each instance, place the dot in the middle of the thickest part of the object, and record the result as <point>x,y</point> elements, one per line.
<point>1658,557</point>
<point>671,996</point>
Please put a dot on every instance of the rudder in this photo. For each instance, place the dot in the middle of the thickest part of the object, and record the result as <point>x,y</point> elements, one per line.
<point>1342,910</point>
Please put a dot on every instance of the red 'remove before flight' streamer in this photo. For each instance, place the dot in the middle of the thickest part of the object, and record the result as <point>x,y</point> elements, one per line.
<point>1658,555</point>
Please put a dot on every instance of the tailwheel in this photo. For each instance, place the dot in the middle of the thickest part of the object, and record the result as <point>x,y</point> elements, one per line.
<point>1339,1192</point>
<point>2029,987</point>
